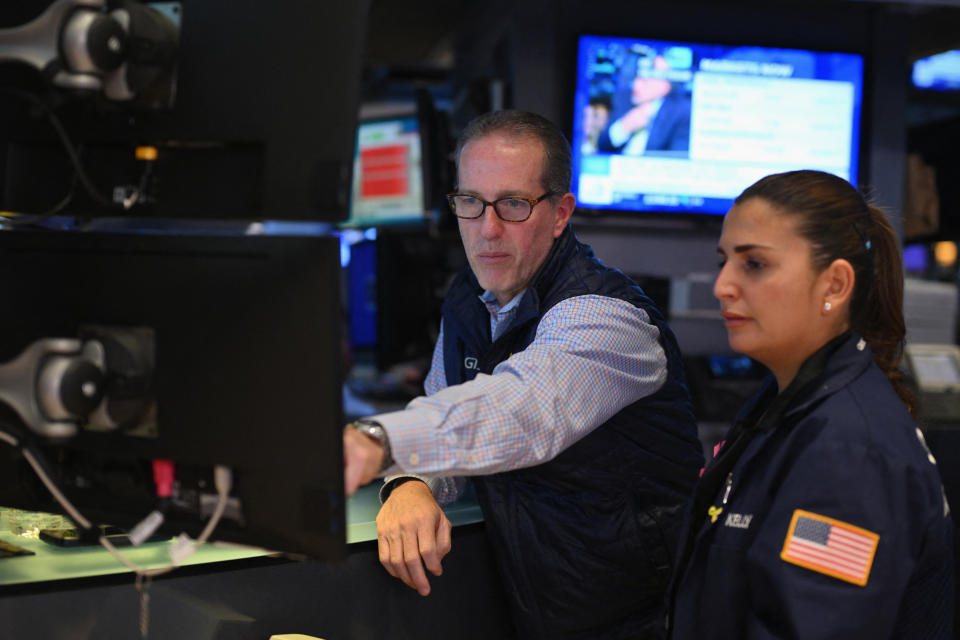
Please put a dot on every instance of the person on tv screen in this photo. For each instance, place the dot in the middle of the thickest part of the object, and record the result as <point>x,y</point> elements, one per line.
<point>558,386</point>
<point>652,108</point>
<point>822,514</point>
<point>596,116</point>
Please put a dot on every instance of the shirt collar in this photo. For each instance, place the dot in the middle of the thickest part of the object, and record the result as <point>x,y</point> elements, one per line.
<point>500,317</point>
<point>489,299</point>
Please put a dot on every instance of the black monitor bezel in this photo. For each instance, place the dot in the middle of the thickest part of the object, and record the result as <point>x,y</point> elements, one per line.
<point>248,375</point>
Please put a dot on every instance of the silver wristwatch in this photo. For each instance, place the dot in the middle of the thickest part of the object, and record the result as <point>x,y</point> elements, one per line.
<point>374,430</point>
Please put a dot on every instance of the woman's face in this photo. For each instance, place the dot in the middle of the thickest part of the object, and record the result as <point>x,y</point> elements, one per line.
<point>771,300</point>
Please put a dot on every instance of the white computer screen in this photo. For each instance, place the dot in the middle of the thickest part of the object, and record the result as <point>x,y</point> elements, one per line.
<point>936,369</point>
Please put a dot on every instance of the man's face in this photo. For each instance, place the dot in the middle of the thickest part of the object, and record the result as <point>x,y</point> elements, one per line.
<point>505,255</point>
<point>595,119</point>
<point>647,86</point>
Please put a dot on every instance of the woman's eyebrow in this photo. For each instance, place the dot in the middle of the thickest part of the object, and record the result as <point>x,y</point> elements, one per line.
<point>740,248</point>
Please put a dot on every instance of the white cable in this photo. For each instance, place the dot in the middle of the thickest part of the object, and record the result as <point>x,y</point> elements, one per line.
<point>222,477</point>
<point>66,504</point>
<point>122,559</point>
<point>223,481</point>
<point>57,495</point>
<point>48,483</point>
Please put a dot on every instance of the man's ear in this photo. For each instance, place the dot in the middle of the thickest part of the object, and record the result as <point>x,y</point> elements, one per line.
<point>838,281</point>
<point>565,207</point>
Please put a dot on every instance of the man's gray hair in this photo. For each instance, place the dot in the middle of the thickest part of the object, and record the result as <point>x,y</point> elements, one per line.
<point>518,124</point>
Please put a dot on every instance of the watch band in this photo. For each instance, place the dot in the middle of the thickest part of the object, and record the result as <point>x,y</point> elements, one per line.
<point>375,431</point>
<point>388,487</point>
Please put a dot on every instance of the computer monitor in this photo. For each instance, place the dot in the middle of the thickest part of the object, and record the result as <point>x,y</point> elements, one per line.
<point>403,167</point>
<point>233,357</point>
<point>684,127</point>
<point>936,368</point>
<point>916,259</point>
<point>260,124</point>
<point>395,288</point>
<point>362,304</point>
<point>388,173</point>
<point>939,72</point>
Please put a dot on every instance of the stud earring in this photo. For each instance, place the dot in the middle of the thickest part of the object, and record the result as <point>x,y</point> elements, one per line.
<point>827,306</point>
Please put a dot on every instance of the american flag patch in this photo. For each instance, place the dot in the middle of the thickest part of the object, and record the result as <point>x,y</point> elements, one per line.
<point>829,546</point>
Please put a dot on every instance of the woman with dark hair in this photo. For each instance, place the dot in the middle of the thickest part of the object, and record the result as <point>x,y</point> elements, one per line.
<point>822,514</point>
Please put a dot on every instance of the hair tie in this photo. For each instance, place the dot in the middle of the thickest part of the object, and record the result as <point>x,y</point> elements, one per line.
<point>867,243</point>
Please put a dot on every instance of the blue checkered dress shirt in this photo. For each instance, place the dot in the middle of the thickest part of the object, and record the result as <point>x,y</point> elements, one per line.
<point>591,357</point>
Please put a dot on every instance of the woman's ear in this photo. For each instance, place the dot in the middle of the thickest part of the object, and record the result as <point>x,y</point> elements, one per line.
<point>837,282</point>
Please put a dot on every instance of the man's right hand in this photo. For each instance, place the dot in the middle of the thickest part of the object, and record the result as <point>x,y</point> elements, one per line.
<point>412,532</point>
<point>637,118</point>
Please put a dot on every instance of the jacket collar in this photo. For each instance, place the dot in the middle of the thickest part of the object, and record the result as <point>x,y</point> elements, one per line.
<point>546,276</point>
<point>543,279</point>
<point>830,369</point>
<point>529,307</point>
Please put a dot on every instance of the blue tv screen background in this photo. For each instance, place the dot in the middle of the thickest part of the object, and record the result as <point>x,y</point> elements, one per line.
<point>684,127</point>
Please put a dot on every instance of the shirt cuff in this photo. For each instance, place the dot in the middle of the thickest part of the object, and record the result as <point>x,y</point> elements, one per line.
<point>618,135</point>
<point>392,482</point>
<point>413,440</point>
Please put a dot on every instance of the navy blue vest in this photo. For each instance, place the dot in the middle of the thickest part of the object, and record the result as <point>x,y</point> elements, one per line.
<point>585,541</point>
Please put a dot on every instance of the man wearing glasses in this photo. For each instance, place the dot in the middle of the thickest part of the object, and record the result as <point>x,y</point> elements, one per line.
<point>557,385</point>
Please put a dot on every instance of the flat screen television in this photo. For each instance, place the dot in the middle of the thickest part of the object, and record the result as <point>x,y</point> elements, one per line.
<point>666,126</point>
<point>940,72</point>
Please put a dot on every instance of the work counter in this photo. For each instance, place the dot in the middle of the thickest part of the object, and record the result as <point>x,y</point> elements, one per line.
<point>239,593</point>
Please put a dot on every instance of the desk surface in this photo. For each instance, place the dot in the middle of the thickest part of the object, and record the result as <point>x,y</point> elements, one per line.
<point>59,563</point>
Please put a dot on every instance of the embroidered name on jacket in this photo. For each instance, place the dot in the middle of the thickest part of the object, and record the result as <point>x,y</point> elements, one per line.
<point>738,520</point>
<point>832,547</point>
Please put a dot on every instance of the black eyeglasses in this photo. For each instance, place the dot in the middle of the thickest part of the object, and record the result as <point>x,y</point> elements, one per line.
<point>509,209</point>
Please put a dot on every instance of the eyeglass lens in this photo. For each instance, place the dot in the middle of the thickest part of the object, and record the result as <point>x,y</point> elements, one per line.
<point>511,209</point>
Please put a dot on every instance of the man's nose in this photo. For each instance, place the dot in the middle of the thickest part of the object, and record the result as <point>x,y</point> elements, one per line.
<point>490,223</point>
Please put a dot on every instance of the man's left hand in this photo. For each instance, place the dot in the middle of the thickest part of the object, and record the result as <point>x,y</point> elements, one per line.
<point>362,460</point>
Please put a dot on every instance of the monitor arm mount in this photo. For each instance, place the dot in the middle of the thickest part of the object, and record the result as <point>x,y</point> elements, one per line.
<point>58,385</point>
<point>85,45</point>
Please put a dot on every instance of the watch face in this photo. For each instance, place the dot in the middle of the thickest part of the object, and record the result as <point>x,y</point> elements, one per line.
<point>372,429</point>
<point>375,431</point>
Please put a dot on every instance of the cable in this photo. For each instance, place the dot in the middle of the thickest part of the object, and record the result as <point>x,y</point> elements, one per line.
<point>223,480</point>
<point>81,174</point>
<point>137,195</point>
<point>64,202</point>
<point>61,499</point>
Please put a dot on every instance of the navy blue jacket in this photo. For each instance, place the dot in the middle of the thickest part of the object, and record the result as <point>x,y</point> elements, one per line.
<point>584,542</point>
<point>844,448</point>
